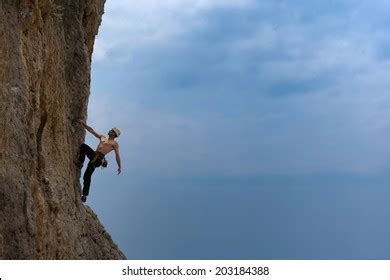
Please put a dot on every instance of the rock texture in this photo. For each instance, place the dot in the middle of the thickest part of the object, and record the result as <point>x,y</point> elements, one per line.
<point>45,59</point>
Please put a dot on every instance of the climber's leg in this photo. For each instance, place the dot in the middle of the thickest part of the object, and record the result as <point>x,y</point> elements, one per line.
<point>87,178</point>
<point>85,150</point>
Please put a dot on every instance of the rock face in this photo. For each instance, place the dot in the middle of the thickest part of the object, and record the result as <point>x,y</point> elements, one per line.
<point>45,59</point>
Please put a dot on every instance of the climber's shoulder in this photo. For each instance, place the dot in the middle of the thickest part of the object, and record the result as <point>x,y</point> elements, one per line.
<point>115,144</point>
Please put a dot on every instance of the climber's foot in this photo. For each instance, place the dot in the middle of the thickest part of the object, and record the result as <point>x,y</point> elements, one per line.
<point>83,198</point>
<point>78,163</point>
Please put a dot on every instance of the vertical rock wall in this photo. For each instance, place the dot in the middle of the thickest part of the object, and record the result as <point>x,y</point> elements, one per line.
<point>45,60</point>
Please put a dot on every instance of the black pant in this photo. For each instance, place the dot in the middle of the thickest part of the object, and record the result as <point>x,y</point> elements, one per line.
<point>86,150</point>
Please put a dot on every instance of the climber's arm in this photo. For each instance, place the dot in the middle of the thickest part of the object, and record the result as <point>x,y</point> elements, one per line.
<point>90,129</point>
<point>117,157</point>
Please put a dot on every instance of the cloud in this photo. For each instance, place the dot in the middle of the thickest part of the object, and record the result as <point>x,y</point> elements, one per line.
<point>245,87</point>
<point>133,24</point>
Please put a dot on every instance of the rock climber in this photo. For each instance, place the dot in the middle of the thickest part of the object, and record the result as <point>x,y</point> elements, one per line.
<point>96,158</point>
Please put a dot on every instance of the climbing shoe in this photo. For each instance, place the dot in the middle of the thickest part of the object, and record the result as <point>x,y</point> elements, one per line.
<point>83,198</point>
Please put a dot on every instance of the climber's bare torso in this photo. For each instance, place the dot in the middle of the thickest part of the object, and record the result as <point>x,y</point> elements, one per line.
<point>106,145</point>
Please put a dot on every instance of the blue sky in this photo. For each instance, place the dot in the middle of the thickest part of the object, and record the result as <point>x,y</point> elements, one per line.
<point>251,129</point>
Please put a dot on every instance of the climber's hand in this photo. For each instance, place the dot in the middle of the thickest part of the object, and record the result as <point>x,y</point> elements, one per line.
<point>119,170</point>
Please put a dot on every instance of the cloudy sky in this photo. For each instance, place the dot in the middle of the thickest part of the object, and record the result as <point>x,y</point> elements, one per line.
<point>251,129</point>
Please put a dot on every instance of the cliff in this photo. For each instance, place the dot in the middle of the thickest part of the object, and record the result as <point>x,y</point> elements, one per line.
<point>45,60</point>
